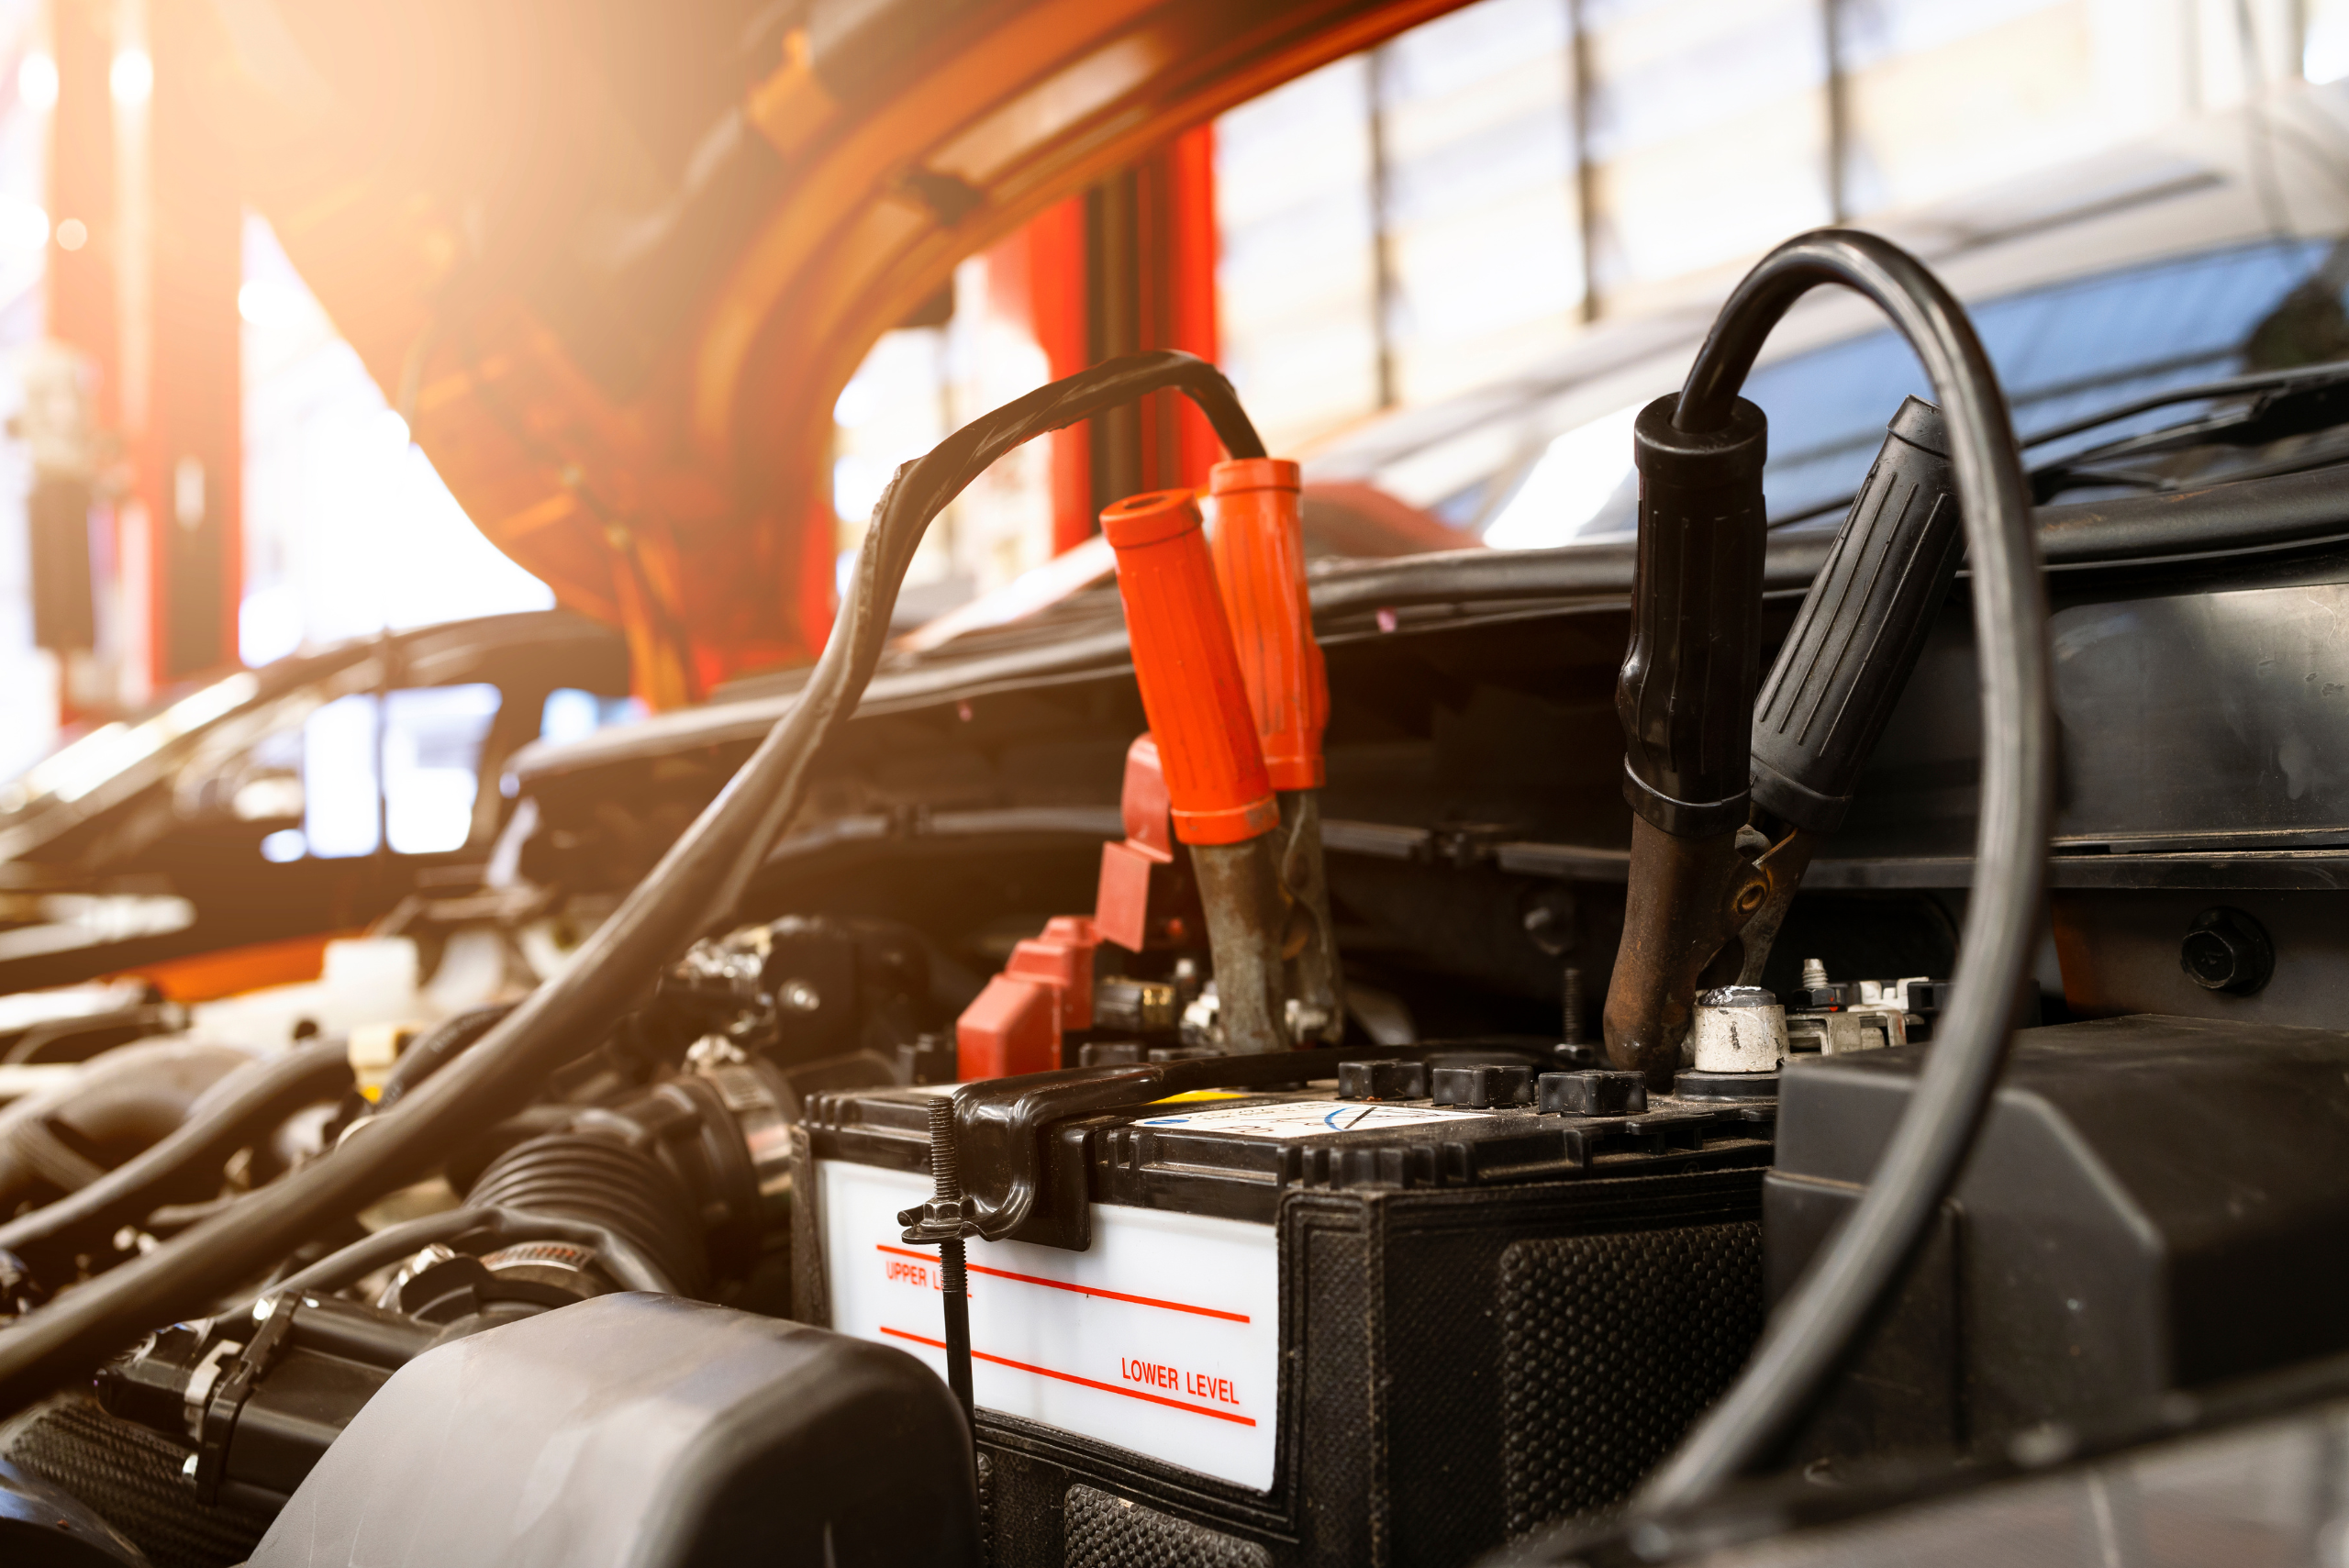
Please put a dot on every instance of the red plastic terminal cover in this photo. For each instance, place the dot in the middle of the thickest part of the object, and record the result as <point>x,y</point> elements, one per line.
<point>1191,684</point>
<point>1122,904</point>
<point>1015,1024</point>
<point>1260,561</point>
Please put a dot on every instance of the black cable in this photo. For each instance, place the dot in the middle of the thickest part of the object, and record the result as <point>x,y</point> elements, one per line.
<point>242,1107</point>
<point>443,1043</point>
<point>1813,1329</point>
<point>628,1266</point>
<point>701,875</point>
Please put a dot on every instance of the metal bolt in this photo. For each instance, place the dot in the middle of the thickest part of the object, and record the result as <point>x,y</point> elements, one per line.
<point>798,996</point>
<point>714,1050</point>
<point>1814,974</point>
<point>954,1280</point>
<point>1570,989</point>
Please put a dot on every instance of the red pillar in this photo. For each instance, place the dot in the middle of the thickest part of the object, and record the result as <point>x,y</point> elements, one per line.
<point>145,258</point>
<point>80,300</point>
<point>81,281</point>
<point>1129,266</point>
<point>1054,259</point>
<point>1176,212</point>
<point>189,456</point>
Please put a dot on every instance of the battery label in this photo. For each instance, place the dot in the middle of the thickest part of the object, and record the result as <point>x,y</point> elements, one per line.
<point>1304,1118</point>
<point>1162,1337</point>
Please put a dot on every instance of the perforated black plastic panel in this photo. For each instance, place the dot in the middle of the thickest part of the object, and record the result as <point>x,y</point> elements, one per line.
<point>986,1511</point>
<point>131,1477</point>
<point>1106,1531</point>
<point>1611,1345</point>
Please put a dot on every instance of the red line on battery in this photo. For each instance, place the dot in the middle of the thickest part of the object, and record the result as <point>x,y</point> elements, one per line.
<point>1063,1285</point>
<point>1072,1377</point>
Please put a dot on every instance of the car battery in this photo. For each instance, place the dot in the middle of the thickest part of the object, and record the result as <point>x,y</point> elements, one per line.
<point>1390,1310</point>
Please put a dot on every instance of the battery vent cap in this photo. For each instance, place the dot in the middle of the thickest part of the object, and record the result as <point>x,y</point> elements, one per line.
<point>1485,1086</point>
<point>1594,1093</point>
<point>1382,1080</point>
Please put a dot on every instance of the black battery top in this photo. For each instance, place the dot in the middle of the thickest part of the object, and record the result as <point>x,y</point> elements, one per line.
<point>1390,1125</point>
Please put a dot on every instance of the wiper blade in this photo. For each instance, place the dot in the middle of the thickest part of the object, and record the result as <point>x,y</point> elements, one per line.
<point>2296,402</point>
<point>2301,378</point>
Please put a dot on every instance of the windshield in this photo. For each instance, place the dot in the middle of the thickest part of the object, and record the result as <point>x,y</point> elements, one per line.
<point>2062,352</point>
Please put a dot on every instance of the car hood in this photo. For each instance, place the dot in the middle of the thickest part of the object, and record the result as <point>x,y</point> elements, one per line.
<point>618,261</point>
<point>617,264</point>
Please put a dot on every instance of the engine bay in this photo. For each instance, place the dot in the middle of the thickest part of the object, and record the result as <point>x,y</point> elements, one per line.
<point>1692,1047</point>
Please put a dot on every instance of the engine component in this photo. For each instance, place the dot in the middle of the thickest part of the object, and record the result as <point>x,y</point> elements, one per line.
<point>258,1401</point>
<point>82,1022</point>
<point>1205,1306</point>
<point>1260,566</point>
<point>2115,1238</point>
<point>112,1110</point>
<point>258,1395</point>
<point>132,1477</point>
<point>596,1176</point>
<point>648,1432</point>
<point>432,1050</point>
<point>676,1189</point>
<point>1050,991</point>
<point>1220,794</point>
<point>187,1163</point>
<point>671,1171</point>
<point>803,989</point>
<point>43,1525</point>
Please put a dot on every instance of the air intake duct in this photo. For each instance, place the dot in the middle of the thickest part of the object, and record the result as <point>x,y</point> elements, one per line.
<point>596,1176</point>
<point>671,1172</point>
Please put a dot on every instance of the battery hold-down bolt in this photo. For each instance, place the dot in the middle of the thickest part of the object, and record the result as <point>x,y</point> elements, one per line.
<point>2227,951</point>
<point>940,1221</point>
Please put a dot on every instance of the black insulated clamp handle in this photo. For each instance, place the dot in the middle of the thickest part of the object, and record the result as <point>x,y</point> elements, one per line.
<point>1861,628</point>
<point>1686,694</point>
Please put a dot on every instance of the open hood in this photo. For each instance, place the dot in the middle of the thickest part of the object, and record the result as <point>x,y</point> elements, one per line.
<point>615,260</point>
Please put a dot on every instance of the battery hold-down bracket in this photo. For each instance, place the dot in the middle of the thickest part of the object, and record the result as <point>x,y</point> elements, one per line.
<point>1036,1153</point>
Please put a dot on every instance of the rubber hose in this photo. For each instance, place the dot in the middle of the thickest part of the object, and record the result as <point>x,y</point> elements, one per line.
<point>618,1256</point>
<point>128,1098</point>
<point>439,1046</point>
<point>596,1178</point>
<point>698,879</point>
<point>1815,1327</point>
<point>241,1107</point>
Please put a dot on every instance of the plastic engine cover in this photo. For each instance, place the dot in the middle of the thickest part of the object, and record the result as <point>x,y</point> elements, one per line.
<point>649,1431</point>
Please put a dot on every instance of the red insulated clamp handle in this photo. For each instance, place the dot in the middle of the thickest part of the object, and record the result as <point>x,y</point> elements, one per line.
<point>1191,685</point>
<point>1260,560</point>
